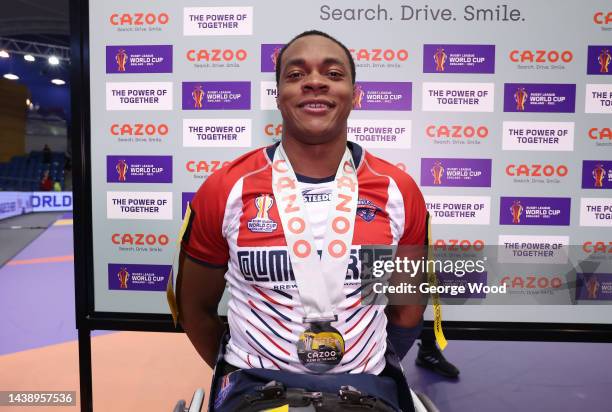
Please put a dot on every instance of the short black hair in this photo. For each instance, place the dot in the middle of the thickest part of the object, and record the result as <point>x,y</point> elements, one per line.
<point>315,33</point>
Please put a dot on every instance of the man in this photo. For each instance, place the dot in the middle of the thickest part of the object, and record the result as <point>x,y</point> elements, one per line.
<point>46,151</point>
<point>46,183</point>
<point>258,223</point>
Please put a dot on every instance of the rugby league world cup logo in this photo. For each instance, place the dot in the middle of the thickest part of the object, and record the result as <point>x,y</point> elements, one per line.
<point>123,276</point>
<point>517,210</point>
<point>437,171</point>
<point>604,60</point>
<point>440,59</point>
<point>263,204</point>
<point>262,223</point>
<point>121,58</point>
<point>599,173</point>
<point>122,168</point>
<point>358,97</point>
<point>520,97</point>
<point>592,287</point>
<point>198,96</point>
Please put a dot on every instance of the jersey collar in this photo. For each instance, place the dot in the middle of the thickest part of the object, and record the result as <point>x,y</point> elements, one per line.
<point>356,152</point>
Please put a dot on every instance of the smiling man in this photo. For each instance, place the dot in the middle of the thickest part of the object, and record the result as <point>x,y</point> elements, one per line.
<point>282,227</point>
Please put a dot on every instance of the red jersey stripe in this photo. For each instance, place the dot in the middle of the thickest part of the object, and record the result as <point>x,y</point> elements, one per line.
<point>270,299</point>
<point>269,338</point>
<point>360,319</point>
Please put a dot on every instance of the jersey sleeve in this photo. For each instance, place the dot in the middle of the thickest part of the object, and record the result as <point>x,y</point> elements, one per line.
<point>416,218</point>
<point>204,239</point>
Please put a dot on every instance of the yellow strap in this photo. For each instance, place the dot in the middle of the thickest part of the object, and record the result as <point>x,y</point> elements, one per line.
<point>284,408</point>
<point>170,286</point>
<point>437,309</point>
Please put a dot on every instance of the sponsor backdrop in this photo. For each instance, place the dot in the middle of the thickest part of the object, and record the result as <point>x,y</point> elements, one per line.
<point>502,113</point>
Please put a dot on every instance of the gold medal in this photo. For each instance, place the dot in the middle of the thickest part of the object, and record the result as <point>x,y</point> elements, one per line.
<point>320,347</point>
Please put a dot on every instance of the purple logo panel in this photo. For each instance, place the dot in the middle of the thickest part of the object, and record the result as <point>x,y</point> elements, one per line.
<point>139,169</point>
<point>269,56</point>
<point>216,95</point>
<point>458,58</point>
<point>539,97</point>
<point>455,172</point>
<point>472,283</point>
<point>185,197</point>
<point>138,277</point>
<point>596,174</point>
<point>383,96</point>
<point>554,211</point>
<point>599,60</point>
<point>593,286</point>
<point>139,59</point>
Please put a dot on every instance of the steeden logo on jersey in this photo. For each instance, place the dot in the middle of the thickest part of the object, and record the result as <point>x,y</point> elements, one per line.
<point>314,196</point>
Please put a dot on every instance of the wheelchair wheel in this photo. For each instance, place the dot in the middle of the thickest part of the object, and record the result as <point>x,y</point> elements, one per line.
<point>422,403</point>
<point>197,401</point>
<point>179,407</point>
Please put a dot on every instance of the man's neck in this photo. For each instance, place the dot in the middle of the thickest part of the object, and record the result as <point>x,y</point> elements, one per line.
<point>314,160</point>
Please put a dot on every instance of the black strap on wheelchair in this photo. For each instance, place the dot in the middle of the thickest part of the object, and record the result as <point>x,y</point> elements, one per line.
<point>274,394</point>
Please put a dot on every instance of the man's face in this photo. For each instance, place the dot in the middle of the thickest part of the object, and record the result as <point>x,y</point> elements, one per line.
<point>315,90</point>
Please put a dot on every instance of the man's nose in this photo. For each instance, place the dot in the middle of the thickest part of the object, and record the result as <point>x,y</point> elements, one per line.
<point>315,82</point>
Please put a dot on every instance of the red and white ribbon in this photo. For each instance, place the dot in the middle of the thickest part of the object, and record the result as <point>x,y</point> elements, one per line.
<point>320,281</point>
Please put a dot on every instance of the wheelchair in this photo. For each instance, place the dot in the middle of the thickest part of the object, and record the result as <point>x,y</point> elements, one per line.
<point>420,402</point>
<point>197,400</point>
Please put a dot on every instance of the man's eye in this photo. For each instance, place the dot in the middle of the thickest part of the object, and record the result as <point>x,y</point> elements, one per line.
<point>294,75</point>
<point>334,74</point>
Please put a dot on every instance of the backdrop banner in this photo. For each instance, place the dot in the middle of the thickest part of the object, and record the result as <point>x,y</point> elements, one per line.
<point>501,113</point>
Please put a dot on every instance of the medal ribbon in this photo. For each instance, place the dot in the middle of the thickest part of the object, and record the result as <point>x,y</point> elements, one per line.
<point>320,281</point>
<point>437,308</point>
<point>170,294</point>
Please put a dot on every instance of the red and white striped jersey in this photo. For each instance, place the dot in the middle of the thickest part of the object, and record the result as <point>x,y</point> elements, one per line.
<point>236,223</point>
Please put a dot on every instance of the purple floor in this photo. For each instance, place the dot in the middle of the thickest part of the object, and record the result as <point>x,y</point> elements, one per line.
<point>516,376</point>
<point>37,300</point>
<point>37,309</point>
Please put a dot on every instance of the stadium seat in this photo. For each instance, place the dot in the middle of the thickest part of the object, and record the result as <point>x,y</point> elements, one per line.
<point>24,172</point>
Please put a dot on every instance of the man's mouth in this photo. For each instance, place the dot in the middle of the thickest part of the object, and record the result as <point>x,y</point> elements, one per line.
<point>316,107</point>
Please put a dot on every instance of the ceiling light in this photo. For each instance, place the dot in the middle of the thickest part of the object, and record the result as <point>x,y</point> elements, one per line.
<point>53,60</point>
<point>28,102</point>
<point>58,82</point>
<point>29,57</point>
<point>4,54</point>
<point>11,76</point>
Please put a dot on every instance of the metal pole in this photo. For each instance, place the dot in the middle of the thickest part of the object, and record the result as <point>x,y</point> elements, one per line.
<point>76,132</point>
<point>85,379</point>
